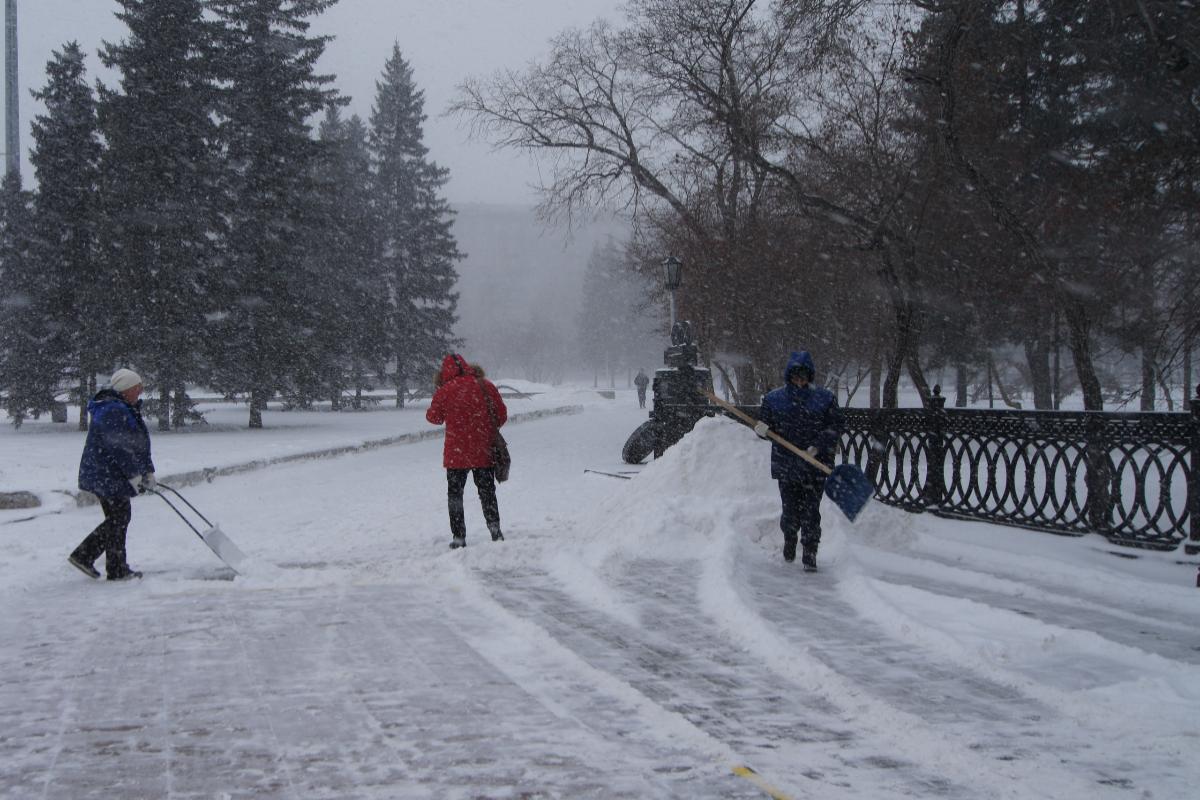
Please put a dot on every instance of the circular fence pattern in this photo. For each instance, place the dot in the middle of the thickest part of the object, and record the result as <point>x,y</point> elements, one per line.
<point>1126,476</point>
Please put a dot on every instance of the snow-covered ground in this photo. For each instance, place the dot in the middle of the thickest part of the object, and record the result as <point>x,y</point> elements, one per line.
<point>631,638</point>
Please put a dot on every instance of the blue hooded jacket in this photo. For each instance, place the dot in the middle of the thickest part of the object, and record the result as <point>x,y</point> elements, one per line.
<point>117,447</point>
<point>806,417</point>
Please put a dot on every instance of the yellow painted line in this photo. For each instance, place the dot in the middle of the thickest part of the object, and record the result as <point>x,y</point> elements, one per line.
<point>752,776</point>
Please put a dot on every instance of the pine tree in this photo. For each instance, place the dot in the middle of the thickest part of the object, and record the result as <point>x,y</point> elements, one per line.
<point>418,249</point>
<point>65,160</point>
<point>269,325</point>
<point>358,317</point>
<point>160,186</point>
<point>30,341</point>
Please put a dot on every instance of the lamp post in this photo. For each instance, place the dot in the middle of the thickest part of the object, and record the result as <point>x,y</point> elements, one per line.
<point>672,269</point>
<point>12,120</point>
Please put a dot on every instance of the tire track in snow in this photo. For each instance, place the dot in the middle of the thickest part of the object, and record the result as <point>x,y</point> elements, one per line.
<point>688,668</point>
<point>997,718</point>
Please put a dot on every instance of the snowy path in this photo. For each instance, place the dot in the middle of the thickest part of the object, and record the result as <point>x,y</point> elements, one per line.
<point>630,639</point>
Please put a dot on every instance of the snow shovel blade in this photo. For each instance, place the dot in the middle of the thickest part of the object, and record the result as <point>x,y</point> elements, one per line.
<point>849,489</point>
<point>224,547</point>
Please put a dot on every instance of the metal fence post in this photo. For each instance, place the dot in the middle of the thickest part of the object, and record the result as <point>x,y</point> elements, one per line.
<point>934,492</point>
<point>1193,544</point>
<point>1099,476</point>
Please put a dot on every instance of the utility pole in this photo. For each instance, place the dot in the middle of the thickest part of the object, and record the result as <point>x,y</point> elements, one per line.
<point>12,120</point>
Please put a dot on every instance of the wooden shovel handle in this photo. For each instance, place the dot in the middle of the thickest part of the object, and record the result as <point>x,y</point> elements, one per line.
<point>775,437</point>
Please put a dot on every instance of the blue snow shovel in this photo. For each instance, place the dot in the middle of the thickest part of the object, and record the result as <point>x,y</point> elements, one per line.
<point>212,536</point>
<point>846,485</point>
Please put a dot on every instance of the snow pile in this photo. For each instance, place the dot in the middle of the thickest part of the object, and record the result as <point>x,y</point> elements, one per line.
<point>717,477</point>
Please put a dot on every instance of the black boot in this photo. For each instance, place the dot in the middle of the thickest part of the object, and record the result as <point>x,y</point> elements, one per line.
<point>789,549</point>
<point>80,563</point>
<point>809,559</point>
<point>126,574</point>
<point>457,542</point>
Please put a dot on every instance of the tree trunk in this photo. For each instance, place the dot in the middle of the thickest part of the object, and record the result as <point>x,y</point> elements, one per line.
<point>1079,341</point>
<point>401,385</point>
<point>960,385</point>
<point>258,401</point>
<point>164,408</point>
<point>84,396</point>
<point>994,374</point>
<point>1148,374</point>
<point>1037,357</point>
<point>179,407</point>
<point>991,397</point>
<point>1166,389</point>
<point>918,375</point>
<point>904,351</point>
<point>875,386</point>
<point>1189,391</point>
<point>1149,337</point>
<point>1057,383</point>
<point>890,395</point>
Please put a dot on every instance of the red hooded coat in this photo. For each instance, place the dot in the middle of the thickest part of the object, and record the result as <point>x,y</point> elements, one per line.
<point>459,403</point>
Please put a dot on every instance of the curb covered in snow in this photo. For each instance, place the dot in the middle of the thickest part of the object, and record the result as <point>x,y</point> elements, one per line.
<point>207,474</point>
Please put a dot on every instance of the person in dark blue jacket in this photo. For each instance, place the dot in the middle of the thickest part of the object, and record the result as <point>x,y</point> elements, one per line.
<point>115,466</point>
<point>807,416</point>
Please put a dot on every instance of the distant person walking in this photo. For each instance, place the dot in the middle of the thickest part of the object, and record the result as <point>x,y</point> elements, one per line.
<point>461,402</point>
<point>641,382</point>
<point>807,416</point>
<point>115,466</point>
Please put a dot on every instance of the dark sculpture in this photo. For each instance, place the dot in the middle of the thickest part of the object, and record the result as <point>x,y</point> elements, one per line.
<point>678,398</point>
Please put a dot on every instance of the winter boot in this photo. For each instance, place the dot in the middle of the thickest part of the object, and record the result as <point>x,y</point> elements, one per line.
<point>126,574</point>
<point>789,549</point>
<point>497,536</point>
<point>84,567</point>
<point>809,559</point>
<point>457,542</point>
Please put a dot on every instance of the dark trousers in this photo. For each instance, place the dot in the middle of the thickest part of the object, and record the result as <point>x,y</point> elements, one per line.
<point>802,510</point>
<point>641,398</point>
<point>109,537</point>
<point>485,484</point>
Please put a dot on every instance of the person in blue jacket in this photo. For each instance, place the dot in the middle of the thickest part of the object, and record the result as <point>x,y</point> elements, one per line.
<point>807,416</point>
<point>115,466</point>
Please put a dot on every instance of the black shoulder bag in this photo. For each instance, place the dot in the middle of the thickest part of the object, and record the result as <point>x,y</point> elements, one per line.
<point>501,460</point>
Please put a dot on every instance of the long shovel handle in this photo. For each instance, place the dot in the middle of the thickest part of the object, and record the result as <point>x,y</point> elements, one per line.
<point>186,502</point>
<point>180,514</point>
<point>775,437</point>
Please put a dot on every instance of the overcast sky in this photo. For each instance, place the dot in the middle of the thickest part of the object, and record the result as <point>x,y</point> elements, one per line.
<point>444,40</point>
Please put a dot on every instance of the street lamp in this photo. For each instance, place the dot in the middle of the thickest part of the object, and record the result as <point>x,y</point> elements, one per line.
<point>672,268</point>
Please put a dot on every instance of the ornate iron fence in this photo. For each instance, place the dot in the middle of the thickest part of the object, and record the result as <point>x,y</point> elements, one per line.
<point>1132,477</point>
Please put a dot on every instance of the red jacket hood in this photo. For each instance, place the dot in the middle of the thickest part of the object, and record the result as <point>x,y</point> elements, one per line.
<point>454,365</point>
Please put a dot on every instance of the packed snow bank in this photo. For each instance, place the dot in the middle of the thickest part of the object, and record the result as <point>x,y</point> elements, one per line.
<point>711,497</point>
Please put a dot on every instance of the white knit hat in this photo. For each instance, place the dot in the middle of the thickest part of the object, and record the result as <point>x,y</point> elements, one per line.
<point>124,379</point>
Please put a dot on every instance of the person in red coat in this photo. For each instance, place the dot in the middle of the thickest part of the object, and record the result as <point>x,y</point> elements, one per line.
<point>461,403</point>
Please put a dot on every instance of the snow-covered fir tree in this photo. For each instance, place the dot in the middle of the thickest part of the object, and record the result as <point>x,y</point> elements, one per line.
<point>65,159</point>
<point>269,329</point>
<point>30,347</point>
<point>160,190</point>
<point>356,310</point>
<point>418,249</point>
